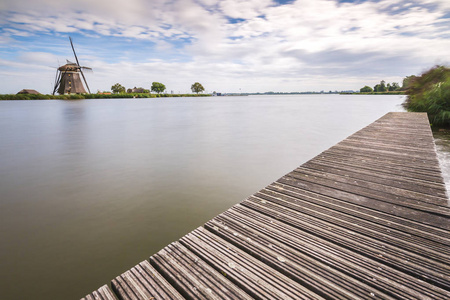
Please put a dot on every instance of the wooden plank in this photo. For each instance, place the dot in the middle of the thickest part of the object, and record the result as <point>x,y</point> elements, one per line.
<point>423,144</point>
<point>103,293</point>
<point>411,228</point>
<point>374,164</point>
<point>143,282</point>
<point>193,277</point>
<point>391,208</point>
<point>378,176</point>
<point>421,150</point>
<point>245,224</point>
<point>391,151</point>
<point>294,264</point>
<point>255,277</point>
<point>394,256</point>
<point>368,190</point>
<point>385,233</point>
<point>414,162</point>
<point>364,185</point>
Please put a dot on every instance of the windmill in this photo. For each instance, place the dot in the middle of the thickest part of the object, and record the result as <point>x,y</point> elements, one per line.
<point>67,80</point>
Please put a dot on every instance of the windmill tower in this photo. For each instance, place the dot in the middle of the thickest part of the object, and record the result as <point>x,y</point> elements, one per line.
<point>68,80</point>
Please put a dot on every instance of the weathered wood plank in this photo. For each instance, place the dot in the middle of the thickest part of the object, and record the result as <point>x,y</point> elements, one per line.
<point>410,213</point>
<point>144,282</point>
<point>103,293</point>
<point>294,264</point>
<point>382,191</point>
<point>416,163</point>
<point>388,234</point>
<point>255,277</point>
<point>247,225</point>
<point>392,255</point>
<point>379,176</point>
<point>411,228</point>
<point>377,163</point>
<point>193,277</point>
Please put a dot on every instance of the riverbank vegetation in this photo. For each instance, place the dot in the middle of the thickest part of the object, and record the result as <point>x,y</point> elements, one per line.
<point>158,87</point>
<point>197,88</point>
<point>93,96</point>
<point>381,87</point>
<point>430,93</point>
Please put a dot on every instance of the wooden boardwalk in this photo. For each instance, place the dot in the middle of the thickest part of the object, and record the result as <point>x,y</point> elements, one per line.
<point>368,218</point>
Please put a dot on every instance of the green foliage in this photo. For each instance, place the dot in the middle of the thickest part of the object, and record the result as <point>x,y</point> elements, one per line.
<point>393,87</point>
<point>381,87</point>
<point>366,89</point>
<point>93,96</point>
<point>407,81</point>
<point>118,89</point>
<point>158,87</point>
<point>197,88</point>
<point>430,93</point>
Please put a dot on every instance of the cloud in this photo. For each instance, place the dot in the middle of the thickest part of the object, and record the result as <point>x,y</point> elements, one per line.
<point>229,43</point>
<point>244,9</point>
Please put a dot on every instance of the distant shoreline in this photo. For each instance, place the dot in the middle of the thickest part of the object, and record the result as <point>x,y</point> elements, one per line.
<point>377,93</point>
<point>93,96</point>
<point>148,95</point>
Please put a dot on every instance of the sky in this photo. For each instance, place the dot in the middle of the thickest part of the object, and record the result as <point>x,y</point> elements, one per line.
<point>226,45</point>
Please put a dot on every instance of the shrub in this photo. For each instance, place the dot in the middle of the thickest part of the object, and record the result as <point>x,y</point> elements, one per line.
<point>366,89</point>
<point>430,93</point>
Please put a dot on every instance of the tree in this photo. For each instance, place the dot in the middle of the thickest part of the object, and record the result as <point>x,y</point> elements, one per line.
<point>197,88</point>
<point>366,89</point>
<point>118,89</point>
<point>395,86</point>
<point>158,87</point>
<point>389,87</point>
<point>383,86</point>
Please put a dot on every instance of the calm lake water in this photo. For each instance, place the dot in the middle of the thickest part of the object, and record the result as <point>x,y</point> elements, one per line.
<point>90,188</point>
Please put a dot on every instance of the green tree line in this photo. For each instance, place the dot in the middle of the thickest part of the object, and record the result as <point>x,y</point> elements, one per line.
<point>381,87</point>
<point>93,96</point>
<point>156,87</point>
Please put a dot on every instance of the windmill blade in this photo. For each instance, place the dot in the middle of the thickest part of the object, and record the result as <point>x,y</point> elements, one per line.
<point>56,78</point>
<point>57,82</point>
<point>84,78</point>
<point>78,63</point>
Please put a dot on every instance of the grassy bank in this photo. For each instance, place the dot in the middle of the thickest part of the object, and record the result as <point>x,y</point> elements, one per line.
<point>430,93</point>
<point>92,96</point>
<point>378,93</point>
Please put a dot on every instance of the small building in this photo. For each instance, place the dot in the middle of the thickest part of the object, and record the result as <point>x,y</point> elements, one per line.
<point>136,90</point>
<point>28,91</point>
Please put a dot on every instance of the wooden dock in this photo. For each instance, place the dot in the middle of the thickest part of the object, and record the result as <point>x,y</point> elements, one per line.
<point>368,218</point>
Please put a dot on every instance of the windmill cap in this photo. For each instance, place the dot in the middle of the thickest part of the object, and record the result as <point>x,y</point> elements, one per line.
<point>69,67</point>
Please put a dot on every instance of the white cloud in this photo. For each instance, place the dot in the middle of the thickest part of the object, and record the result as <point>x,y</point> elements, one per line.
<point>282,46</point>
<point>244,9</point>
